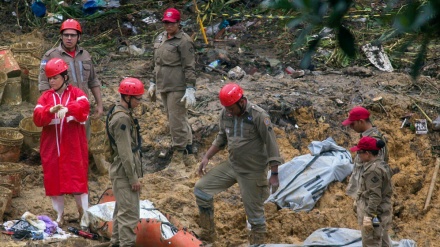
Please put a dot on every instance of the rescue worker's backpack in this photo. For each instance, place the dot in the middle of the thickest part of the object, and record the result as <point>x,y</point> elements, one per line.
<point>111,140</point>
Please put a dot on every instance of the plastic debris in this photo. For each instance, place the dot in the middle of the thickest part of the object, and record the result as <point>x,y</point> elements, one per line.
<point>132,49</point>
<point>38,9</point>
<point>421,126</point>
<point>236,73</point>
<point>90,7</point>
<point>213,65</point>
<point>150,20</point>
<point>377,57</point>
<point>54,18</point>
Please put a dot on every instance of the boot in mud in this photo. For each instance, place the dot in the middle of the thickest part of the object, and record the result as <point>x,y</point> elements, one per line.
<point>189,158</point>
<point>207,224</point>
<point>176,162</point>
<point>257,237</point>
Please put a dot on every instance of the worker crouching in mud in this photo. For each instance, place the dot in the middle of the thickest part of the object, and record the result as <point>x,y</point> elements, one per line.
<point>247,131</point>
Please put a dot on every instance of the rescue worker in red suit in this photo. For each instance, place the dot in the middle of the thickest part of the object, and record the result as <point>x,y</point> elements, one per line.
<point>62,112</point>
<point>126,168</point>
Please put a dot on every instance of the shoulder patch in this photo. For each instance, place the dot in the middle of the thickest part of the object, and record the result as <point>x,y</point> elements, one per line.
<point>43,64</point>
<point>375,179</point>
<point>123,127</point>
<point>267,121</point>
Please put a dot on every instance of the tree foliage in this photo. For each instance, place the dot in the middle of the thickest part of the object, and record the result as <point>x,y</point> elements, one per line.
<point>418,18</point>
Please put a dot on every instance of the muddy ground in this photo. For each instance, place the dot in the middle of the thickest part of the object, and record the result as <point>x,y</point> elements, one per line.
<point>316,103</point>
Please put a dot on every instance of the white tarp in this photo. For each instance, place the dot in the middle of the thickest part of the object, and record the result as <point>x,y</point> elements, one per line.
<point>344,237</point>
<point>304,179</point>
<point>338,237</point>
<point>104,212</point>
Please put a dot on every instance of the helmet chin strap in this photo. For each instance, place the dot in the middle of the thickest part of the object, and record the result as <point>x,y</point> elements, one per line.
<point>242,109</point>
<point>62,85</point>
<point>128,102</point>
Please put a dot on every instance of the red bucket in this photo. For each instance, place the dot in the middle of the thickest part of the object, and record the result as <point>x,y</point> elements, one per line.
<point>8,64</point>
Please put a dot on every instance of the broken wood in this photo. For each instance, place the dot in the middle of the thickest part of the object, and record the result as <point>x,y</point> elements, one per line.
<point>423,112</point>
<point>431,187</point>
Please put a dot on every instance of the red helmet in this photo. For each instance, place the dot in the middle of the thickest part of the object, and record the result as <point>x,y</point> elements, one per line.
<point>171,15</point>
<point>71,24</point>
<point>131,86</point>
<point>55,66</point>
<point>230,94</point>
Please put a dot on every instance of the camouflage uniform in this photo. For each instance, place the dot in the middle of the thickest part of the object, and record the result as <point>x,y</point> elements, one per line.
<point>358,168</point>
<point>374,199</point>
<point>124,171</point>
<point>175,71</point>
<point>251,143</point>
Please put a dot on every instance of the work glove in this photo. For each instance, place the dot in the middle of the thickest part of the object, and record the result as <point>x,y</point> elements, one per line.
<point>55,109</point>
<point>152,91</point>
<point>62,112</point>
<point>189,97</point>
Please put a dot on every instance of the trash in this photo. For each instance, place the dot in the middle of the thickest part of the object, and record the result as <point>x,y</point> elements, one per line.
<point>150,20</point>
<point>83,234</point>
<point>90,7</point>
<point>38,8</point>
<point>297,73</point>
<point>213,65</point>
<point>236,73</point>
<point>54,18</point>
<point>113,4</point>
<point>132,49</point>
<point>377,57</point>
<point>163,154</point>
<point>128,27</point>
<point>421,126</point>
<point>289,70</point>
<point>214,29</point>
<point>406,120</point>
<point>339,102</point>
<point>378,98</point>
